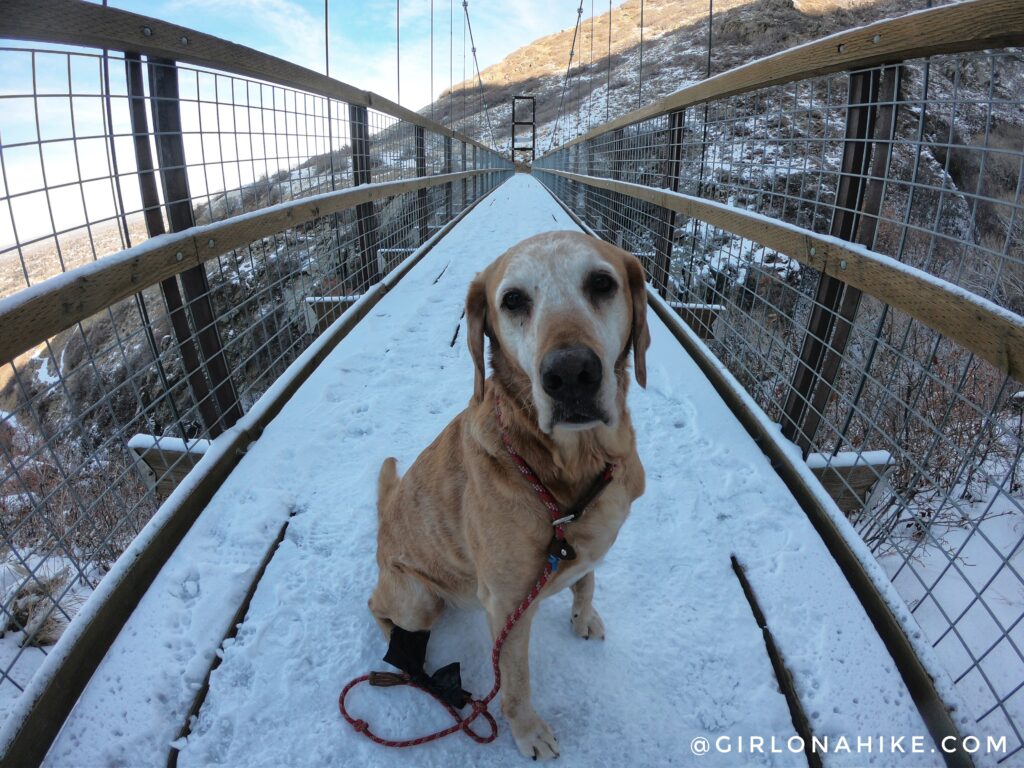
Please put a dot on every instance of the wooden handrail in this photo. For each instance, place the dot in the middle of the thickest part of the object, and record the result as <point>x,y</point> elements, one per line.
<point>31,316</point>
<point>74,22</point>
<point>973,25</point>
<point>992,332</point>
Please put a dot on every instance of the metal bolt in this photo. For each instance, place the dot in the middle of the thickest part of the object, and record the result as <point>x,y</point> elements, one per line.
<point>147,32</point>
<point>184,40</point>
<point>179,256</point>
<point>813,250</point>
<point>842,47</point>
<point>876,39</point>
<point>210,243</point>
<point>842,264</point>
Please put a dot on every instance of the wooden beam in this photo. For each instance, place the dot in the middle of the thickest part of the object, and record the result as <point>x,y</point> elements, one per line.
<point>974,25</point>
<point>163,462</point>
<point>850,477</point>
<point>992,332</point>
<point>41,311</point>
<point>73,22</point>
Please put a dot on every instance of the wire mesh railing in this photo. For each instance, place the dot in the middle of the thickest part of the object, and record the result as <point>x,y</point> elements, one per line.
<point>916,437</point>
<point>103,149</point>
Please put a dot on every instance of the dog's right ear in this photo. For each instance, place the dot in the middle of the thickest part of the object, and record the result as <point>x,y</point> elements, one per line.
<point>476,320</point>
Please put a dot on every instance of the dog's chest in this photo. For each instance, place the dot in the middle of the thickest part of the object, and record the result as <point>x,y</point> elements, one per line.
<point>593,534</point>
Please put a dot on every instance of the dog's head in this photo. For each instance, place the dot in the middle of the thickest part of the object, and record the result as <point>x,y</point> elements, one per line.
<point>562,311</point>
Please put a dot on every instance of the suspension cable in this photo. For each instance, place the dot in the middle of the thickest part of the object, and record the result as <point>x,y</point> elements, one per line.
<point>479,78</point>
<point>327,71</point>
<point>579,74</point>
<point>565,80</point>
<point>463,73</point>
<point>431,59</point>
<point>608,87</point>
<point>398,50</point>
<point>590,76</point>
<point>451,65</point>
<point>640,80</point>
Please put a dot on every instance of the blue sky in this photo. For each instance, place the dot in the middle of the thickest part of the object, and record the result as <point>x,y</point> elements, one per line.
<point>362,39</point>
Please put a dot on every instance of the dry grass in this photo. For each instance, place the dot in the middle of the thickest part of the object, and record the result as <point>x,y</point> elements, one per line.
<point>30,606</point>
<point>54,255</point>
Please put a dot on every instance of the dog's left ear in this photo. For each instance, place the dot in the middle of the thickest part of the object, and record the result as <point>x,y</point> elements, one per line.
<point>640,335</point>
<point>476,319</point>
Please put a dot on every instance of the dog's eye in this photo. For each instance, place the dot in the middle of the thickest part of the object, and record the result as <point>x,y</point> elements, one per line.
<point>601,284</point>
<point>514,301</point>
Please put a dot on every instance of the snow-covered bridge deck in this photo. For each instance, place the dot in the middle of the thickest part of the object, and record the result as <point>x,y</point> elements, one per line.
<point>683,658</point>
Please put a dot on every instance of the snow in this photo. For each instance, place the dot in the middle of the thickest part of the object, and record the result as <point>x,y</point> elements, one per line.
<point>333,299</point>
<point>683,656</point>
<point>846,459</point>
<point>43,374</point>
<point>19,580</point>
<point>978,554</point>
<point>143,443</point>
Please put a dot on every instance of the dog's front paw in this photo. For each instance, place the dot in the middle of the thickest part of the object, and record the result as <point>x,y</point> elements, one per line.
<point>534,738</point>
<point>588,624</point>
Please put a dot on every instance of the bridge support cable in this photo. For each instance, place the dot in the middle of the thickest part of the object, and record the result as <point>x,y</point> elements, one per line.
<point>608,59</point>
<point>565,80</point>
<point>398,51</point>
<point>640,78</point>
<point>479,78</point>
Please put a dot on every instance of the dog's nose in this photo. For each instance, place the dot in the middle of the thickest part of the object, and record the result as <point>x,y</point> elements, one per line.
<point>571,373</point>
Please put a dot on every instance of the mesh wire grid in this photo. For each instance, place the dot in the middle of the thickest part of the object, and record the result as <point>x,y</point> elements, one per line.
<point>100,422</point>
<point>917,440</point>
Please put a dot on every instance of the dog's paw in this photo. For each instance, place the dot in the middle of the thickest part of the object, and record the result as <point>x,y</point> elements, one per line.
<point>588,624</point>
<point>534,738</point>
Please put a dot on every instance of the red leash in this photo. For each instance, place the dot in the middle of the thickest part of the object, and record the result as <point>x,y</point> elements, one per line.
<point>559,550</point>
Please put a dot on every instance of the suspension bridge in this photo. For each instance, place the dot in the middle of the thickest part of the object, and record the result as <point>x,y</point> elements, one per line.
<point>198,396</point>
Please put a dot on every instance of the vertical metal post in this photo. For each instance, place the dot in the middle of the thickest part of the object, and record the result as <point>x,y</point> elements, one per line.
<point>366,216</point>
<point>476,179</point>
<point>170,148</point>
<point>667,224</point>
<point>616,204</point>
<point>154,219</point>
<point>448,186</point>
<point>865,227</point>
<point>421,195</point>
<point>858,202</point>
<point>465,182</point>
<point>588,191</point>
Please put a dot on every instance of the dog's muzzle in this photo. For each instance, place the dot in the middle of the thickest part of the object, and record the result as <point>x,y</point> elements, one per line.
<point>571,377</point>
